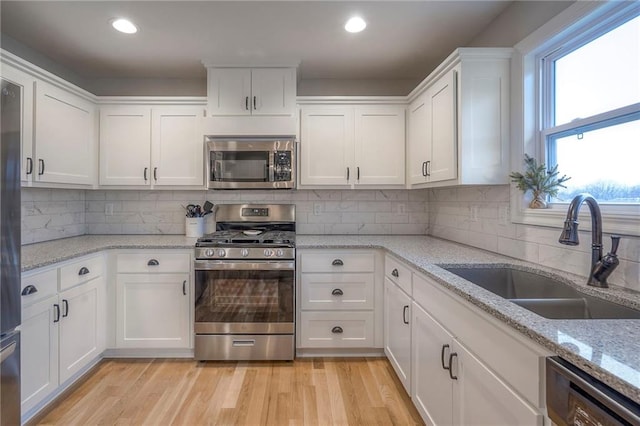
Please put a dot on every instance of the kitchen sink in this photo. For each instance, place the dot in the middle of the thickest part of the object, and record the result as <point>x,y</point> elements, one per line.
<point>543,295</point>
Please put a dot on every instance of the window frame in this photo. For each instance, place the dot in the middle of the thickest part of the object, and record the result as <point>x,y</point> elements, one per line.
<point>532,106</point>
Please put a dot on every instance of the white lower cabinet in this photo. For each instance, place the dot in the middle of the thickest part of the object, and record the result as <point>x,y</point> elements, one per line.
<point>340,299</point>
<point>153,311</point>
<point>62,331</point>
<point>39,351</point>
<point>452,387</point>
<point>397,331</point>
<point>153,300</point>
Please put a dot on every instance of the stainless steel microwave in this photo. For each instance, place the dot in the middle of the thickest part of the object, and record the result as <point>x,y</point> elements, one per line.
<point>251,163</point>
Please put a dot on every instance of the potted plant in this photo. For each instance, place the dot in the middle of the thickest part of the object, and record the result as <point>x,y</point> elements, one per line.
<point>540,181</point>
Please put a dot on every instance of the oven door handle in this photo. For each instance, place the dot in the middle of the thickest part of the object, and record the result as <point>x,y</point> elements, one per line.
<point>231,265</point>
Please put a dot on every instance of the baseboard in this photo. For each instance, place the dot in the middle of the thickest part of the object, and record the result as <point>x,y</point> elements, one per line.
<point>148,353</point>
<point>341,353</point>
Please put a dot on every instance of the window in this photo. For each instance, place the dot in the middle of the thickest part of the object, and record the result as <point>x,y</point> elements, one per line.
<point>590,110</point>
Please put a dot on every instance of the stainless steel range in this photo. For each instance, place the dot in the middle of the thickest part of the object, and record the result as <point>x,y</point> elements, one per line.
<point>245,284</point>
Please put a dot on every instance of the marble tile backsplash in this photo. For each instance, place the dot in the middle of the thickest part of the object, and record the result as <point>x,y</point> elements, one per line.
<point>450,217</point>
<point>52,214</point>
<point>317,211</point>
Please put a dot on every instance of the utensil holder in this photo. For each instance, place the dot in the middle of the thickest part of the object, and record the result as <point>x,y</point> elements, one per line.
<point>194,227</point>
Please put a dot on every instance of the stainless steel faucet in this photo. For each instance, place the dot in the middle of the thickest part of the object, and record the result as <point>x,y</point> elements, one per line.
<point>601,267</point>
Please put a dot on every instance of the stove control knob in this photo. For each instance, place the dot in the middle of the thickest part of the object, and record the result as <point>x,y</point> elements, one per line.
<point>279,252</point>
<point>209,252</point>
<point>244,252</point>
<point>268,252</point>
<point>221,253</point>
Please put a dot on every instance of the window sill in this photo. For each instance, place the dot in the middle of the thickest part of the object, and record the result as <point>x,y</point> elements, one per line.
<point>616,219</point>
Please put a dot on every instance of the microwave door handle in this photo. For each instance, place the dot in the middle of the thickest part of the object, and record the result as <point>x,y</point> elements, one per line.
<point>272,156</point>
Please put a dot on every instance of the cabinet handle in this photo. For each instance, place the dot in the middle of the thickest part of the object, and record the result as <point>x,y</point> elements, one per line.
<point>405,309</point>
<point>153,262</point>
<point>428,168</point>
<point>395,273</point>
<point>155,174</point>
<point>145,173</point>
<point>358,173</point>
<point>57,315</point>
<point>29,165</point>
<point>65,302</point>
<point>347,174</point>
<point>184,287</point>
<point>337,292</point>
<point>337,262</point>
<point>30,289</point>
<point>337,330</point>
<point>246,103</point>
<point>453,354</point>
<point>83,271</point>
<point>254,103</point>
<point>444,347</point>
<point>41,167</point>
<point>424,168</point>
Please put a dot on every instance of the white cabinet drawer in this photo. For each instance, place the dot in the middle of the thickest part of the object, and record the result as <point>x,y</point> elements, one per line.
<point>151,262</point>
<point>335,261</point>
<point>337,291</point>
<point>337,329</point>
<point>398,273</point>
<point>81,271</point>
<point>41,285</point>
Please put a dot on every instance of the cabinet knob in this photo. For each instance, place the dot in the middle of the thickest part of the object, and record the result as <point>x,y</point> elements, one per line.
<point>337,292</point>
<point>395,273</point>
<point>153,262</point>
<point>30,289</point>
<point>337,262</point>
<point>83,271</point>
<point>337,330</point>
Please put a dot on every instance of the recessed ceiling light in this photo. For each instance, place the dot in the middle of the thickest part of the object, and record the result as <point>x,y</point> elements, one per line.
<point>355,25</point>
<point>124,26</point>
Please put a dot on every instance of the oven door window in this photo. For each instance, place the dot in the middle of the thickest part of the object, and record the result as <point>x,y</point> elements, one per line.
<point>239,166</point>
<point>244,296</point>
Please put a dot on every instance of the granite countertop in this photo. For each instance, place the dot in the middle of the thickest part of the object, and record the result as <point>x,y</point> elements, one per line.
<point>607,349</point>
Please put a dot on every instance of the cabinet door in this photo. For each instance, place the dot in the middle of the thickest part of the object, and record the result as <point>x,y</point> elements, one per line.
<point>125,145</point>
<point>326,146</point>
<point>419,141</point>
<point>443,128</point>
<point>483,399</point>
<point>273,91</point>
<point>152,311</point>
<point>39,352</point>
<point>26,83</point>
<point>379,145</point>
<point>397,331</point>
<point>64,136</point>
<point>177,146</point>
<point>79,327</point>
<point>229,91</point>
<point>432,388</point>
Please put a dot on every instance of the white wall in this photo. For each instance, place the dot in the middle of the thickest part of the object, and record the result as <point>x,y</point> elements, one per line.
<point>450,218</point>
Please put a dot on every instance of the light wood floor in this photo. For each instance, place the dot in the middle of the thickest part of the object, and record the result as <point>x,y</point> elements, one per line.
<point>353,391</point>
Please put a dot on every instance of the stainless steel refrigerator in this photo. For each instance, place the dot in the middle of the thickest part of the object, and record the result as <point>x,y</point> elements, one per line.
<point>10,307</point>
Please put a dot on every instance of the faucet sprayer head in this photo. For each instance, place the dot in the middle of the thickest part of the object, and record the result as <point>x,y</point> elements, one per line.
<point>569,234</point>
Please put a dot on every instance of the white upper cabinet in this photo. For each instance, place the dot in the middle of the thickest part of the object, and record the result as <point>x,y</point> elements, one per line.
<point>64,136</point>
<point>344,145</point>
<point>26,83</point>
<point>125,145</point>
<point>154,146</point>
<point>459,122</point>
<point>326,148</point>
<point>177,146</point>
<point>251,91</point>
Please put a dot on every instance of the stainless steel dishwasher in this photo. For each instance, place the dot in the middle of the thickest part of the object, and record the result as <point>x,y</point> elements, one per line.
<point>576,398</point>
